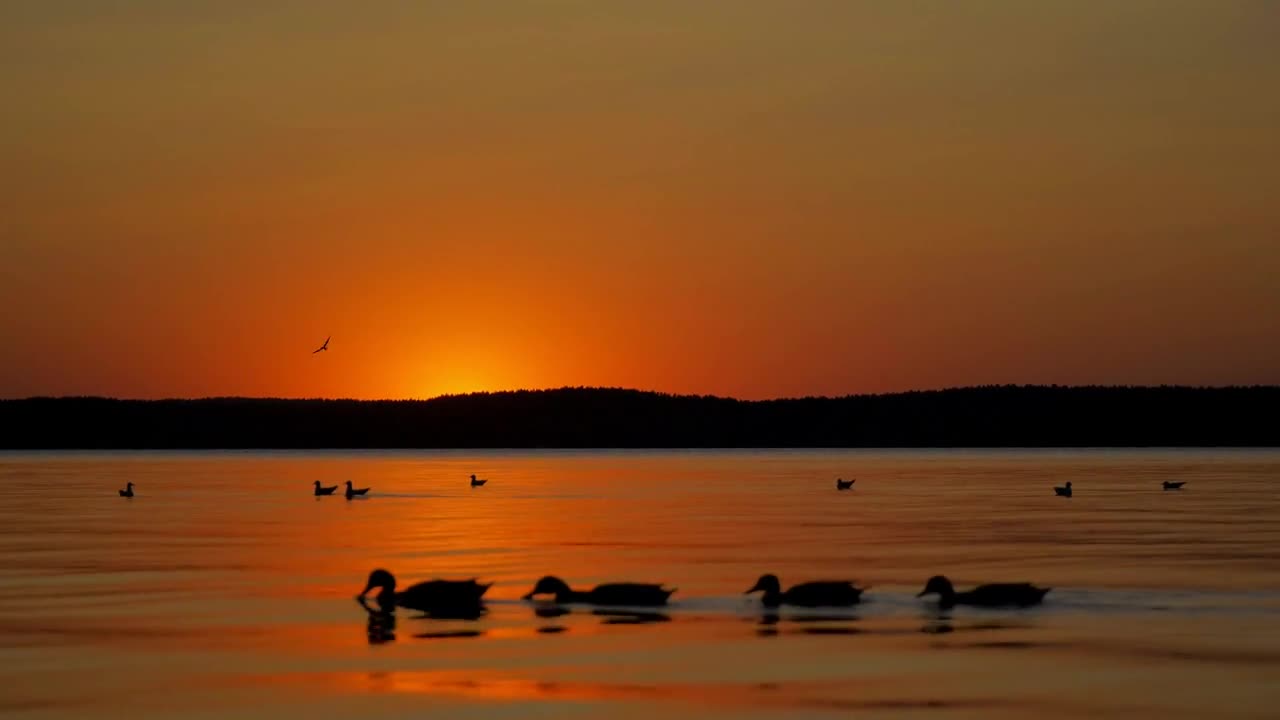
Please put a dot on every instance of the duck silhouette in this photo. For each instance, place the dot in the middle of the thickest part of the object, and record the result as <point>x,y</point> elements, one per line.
<point>454,598</point>
<point>1173,485</point>
<point>127,491</point>
<point>624,594</point>
<point>353,492</point>
<point>321,490</point>
<point>477,483</point>
<point>1064,491</point>
<point>845,485</point>
<point>820,593</point>
<point>993,595</point>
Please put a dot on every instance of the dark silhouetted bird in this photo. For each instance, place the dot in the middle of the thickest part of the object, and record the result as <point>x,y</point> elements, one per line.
<point>821,593</point>
<point>629,594</point>
<point>127,491</point>
<point>994,595</point>
<point>477,483</point>
<point>431,596</point>
<point>321,490</point>
<point>845,484</point>
<point>325,346</point>
<point>353,492</point>
<point>1173,485</point>
<point>1064,491</point>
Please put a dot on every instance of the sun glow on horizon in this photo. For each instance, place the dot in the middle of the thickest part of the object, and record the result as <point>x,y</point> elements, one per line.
<point>743,201</point>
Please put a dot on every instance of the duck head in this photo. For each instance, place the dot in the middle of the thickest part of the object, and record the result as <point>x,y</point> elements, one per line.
<point>128,486</point>
<point>348,483</point>
<point>937,584</point>
<point>1068,483</point>
<point>548,585</point>
<point>381,579</point>
<point>768,583</point>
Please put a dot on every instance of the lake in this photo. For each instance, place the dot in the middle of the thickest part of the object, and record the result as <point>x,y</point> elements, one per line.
<point>225,589</point>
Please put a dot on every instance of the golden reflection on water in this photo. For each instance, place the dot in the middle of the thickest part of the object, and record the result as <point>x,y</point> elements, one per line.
<point>225,588</point>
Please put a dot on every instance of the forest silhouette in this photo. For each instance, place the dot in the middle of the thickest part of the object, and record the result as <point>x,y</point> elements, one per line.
<point>991,416</point>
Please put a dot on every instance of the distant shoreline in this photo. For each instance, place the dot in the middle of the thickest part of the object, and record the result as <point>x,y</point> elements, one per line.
<point>992,417</point>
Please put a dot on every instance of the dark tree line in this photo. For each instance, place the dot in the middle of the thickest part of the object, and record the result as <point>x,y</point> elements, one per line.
<point>996,416</point>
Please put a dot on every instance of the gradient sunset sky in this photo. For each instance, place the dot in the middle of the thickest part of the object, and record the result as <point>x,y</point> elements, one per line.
<point>743,198</point>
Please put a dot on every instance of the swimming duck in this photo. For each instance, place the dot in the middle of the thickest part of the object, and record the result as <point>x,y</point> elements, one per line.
<point>994,595</point>
<point>352,492</point>
<point>843,485</point>
<point>822,593</point>
<point>1064,491</point>
<point>477,483</point>
<point>432,595</point>
<point>632,594</point>
<point>321,490</point>
<point>127,491</point>
<point>1174,485</point>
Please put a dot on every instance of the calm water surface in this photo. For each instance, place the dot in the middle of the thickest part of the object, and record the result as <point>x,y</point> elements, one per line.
<point>224,589</point>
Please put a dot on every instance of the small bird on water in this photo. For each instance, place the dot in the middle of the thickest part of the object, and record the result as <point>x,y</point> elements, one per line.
<point>325,346</point>
<point>432,595</point>
<point>1064,491</point>
<point>127,491</point>
<point>820,593</point>
<point>353,491</point>
<point>1173,485</point>
<point>322,490</point>
<point>477,483</point>
<point>625,594</point>
<point>993,595</point>
<point>845,484</point>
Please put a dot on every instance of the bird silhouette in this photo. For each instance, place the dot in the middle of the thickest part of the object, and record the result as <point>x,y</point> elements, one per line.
<point>325,346</point>
<point>127,491</point>
<point>994,595</point>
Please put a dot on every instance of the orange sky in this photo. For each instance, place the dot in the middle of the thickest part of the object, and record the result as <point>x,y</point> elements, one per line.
<point>746,198</point>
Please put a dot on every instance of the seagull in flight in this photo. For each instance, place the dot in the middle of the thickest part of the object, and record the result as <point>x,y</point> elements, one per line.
<point>325,346</point>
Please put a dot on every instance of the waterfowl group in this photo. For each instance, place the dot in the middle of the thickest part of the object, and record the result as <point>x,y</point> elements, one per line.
<point>821,593</point>
<point>1064,491</point>
<point>354,492</point>
<point>463,598</point>
<point>623,594</point>
<point>127,491</point>
<point>993,595</point>
<point>845,484</point>
<point>321,490</point>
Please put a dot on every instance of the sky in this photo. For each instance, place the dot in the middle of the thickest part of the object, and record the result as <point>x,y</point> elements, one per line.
<point>746,198</point>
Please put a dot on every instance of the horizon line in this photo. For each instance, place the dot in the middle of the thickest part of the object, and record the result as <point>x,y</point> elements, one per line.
<point>608,388</point>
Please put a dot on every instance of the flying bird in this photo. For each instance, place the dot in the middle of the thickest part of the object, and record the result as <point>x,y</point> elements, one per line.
<point>325,346</point>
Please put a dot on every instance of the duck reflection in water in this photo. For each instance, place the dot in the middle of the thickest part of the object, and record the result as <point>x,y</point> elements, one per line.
<point>809,624</point>
<point>381,627</point>
<point>610,616</point>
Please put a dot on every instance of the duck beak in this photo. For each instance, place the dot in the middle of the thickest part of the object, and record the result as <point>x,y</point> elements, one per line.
<point>922,593</point>
<point>528,596</point>
<point>366,590</point>
<point>754,588</point>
